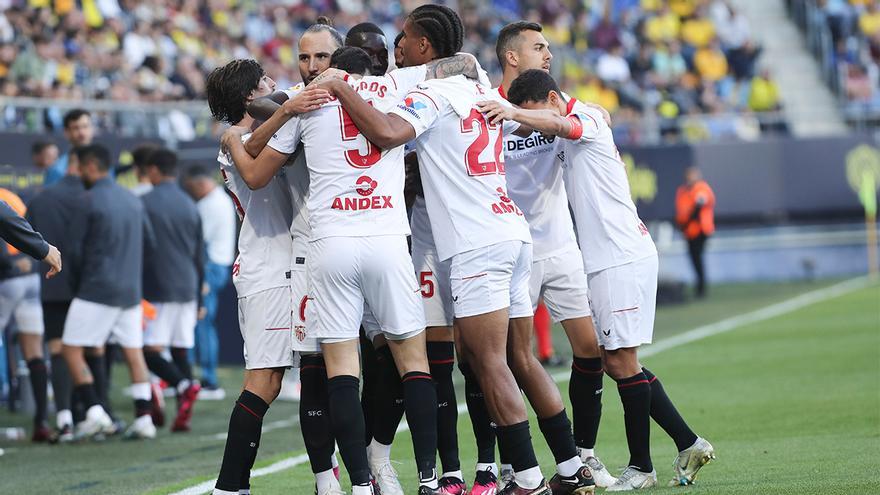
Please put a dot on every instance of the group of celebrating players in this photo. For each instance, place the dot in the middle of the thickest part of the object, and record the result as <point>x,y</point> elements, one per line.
<point>323,175</point>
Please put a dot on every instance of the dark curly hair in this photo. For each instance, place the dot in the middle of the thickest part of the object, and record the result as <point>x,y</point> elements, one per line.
<point>229,87</point>
<point>442,26</point>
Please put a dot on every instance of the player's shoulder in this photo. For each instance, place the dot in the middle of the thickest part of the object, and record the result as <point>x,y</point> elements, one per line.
<point>589,114</point>
<point>294,90</point>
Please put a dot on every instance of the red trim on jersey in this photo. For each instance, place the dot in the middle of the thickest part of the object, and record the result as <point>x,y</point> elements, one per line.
<point>475,276</point>
<point>502,93</point>
<point>277,328</point>
<point>392,80</point>
<point>570,106</point>
<point>235,199</point>
<point>577,127</point>
<point>634,308</point>
<point>429,97</point>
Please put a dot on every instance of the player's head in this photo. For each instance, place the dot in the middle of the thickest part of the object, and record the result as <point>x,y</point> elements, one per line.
<point>94,162</point>
<point>521,46</point>
<point>431,32</point>
<point>44,154</point>
<point>316,45</point>
<point>140,157</point>
<point>536,89</point>
<point>78,128</point>
<point>230,88</point>
<point>198,181</point>
<point>371,39</point>
<point>161,165</point>
<point>398,51</point>
<point>352,60</point>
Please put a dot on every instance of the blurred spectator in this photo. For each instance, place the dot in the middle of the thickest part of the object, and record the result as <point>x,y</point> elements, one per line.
<point>612,67</point>
<point>869,20</point>
<point>44,154</point>
<point>711,63</point>
<point>695,216</point>
<point>763,93</point>
<point>79,131</point>
<point>219,222</point>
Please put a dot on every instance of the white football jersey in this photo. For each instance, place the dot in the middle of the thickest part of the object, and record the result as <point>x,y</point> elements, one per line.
<point>420,225</point>
<point>609,228</point>
<point>534,181</point>
<point>462,165</point>
<point>264,242</point>
<point>355,188</point>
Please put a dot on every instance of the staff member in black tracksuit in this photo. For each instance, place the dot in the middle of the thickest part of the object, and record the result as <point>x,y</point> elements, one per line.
<point>17,231</point>
<point>58,212</point>
<point>172,278</point>
<point>107,298</point>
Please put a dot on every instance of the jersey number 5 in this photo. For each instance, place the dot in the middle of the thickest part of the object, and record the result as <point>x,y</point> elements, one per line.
<point>350,132</point>
<point>472,158</point>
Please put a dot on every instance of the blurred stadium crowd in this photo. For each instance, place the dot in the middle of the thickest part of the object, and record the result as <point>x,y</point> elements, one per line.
<point>639,58</point>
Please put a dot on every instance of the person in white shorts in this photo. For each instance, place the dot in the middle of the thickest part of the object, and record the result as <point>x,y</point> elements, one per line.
<point>20,303</point>
<point>621,263</point>
<point>534,179</point>
<point>107,302</point>
<point>357,258</point>
<point>270,278</point>
<point>475,224</point>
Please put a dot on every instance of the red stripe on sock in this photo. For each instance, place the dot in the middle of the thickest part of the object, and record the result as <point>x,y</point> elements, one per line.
<point>443,361</point>
<point>246,408</point>
<point>633,384</point>
<point>586,372</point>
<point>417,377</point>
<point>312,367</point>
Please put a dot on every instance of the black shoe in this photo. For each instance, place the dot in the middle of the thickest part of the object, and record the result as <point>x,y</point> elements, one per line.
<point>513,489</point>
<point>581,483</point>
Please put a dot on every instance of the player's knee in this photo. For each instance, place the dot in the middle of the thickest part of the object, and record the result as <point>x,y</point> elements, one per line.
<point>265,383</point>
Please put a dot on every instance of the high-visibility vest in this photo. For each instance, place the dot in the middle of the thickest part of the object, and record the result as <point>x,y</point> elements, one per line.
<point>686,201</point>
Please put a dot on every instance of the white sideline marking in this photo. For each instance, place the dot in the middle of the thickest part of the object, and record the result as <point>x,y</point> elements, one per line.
<point>274,425</point>
<point>679,340</point>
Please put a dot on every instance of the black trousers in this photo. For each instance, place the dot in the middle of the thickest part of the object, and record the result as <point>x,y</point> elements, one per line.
<point>695,249</point>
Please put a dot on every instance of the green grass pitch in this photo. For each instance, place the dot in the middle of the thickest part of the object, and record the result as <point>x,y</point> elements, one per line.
<point>790,403</point>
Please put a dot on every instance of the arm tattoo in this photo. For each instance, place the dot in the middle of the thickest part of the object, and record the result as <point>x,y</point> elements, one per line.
<point>459,64</point>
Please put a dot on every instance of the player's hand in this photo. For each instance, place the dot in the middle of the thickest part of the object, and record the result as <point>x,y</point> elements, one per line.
<point>53,259</point>
<point>495,112</point>
<point>605,115</point>
<point>232,135</point>
<point>307,100</point>
<point>330,73</point>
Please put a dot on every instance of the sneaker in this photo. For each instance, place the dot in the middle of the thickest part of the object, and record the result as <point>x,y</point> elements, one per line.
<point>506,475</point>
<point>186,401</point>
<point>385,477</point>
<point>689,461</point>
<point>212,392</point>
<point>485,483</point>
<point>142,429</point>
<point>99,424</point>
<point>42,434</point>
<point>581,483</point>
<point>63,435</point>
<point>513,489</point>
<point>450,485</point>
<point>601,476</point>
<point>633,479</point>
<point>157,405</point>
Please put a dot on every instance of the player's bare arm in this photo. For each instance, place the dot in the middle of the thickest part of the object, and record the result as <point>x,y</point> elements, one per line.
<point>384,130</point>
<point>463,64</point>
<point>256,172</point>
<point>544,121</point>
<point>264,107</point>
<point>305,101</point>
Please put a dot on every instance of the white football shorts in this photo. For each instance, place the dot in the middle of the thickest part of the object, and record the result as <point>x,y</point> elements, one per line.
<point>20,299</point>
<point>624,301</point>
<point>91,324</point>
<point>561,281</point>
<point>174,325</point>
<point>265,320</point>
<point>303,335</point>
<point>490,278</point>
<point>348,274</point>
<point>433,276</point>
